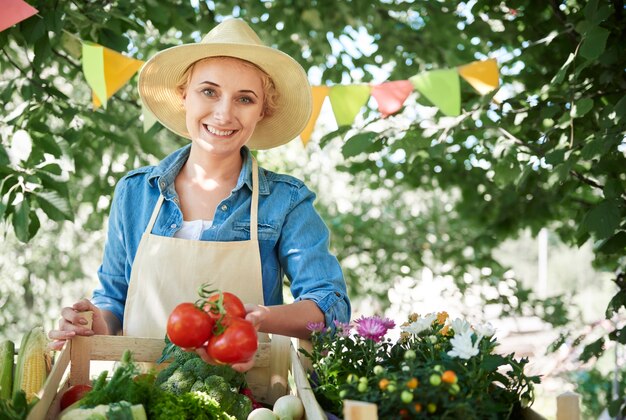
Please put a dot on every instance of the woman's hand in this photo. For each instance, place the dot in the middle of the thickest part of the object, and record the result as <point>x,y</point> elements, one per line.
<point>73,323</point>
<point>239,367</point>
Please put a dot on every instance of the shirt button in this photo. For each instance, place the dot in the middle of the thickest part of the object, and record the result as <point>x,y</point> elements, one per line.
<point>173,226</point>
<point>162,184</point>
<point>224,207</point>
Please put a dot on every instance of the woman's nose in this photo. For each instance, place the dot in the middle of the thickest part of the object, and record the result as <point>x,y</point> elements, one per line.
<point>223,110</point>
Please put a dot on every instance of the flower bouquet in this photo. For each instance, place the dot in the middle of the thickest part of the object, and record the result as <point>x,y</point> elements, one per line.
<point>438,368</point>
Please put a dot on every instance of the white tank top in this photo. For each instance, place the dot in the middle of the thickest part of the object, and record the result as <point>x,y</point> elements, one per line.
<point>193,229</point>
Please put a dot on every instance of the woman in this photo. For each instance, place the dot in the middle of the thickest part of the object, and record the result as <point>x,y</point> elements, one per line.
<point>207,213</point>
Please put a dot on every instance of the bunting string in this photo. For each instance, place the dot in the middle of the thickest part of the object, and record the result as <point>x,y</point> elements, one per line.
<point>106,71</point>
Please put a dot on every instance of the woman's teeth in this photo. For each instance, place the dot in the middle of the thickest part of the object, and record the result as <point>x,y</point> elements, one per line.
<point>219,132</point>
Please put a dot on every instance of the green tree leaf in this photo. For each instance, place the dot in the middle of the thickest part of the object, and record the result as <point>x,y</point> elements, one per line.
<point>603,219</point>
<point>56,207</point>
<point>594,43</point>
<point>21,219</point>
<point>360,143</point>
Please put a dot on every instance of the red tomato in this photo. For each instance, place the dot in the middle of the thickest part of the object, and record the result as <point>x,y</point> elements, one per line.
<point>237,344</point>
<point>73,394</point>
<point>233,306</point>
<point>189,326</point>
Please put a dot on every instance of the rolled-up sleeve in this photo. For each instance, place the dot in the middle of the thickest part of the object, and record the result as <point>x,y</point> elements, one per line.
<point>314,273</point>
<point>111,294</point>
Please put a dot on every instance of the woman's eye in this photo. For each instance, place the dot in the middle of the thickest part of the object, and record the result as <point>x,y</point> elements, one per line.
<point>208,92</point>
<point>246,100</point>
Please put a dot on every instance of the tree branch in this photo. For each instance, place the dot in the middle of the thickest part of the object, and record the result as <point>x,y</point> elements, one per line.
<point>586,180</point>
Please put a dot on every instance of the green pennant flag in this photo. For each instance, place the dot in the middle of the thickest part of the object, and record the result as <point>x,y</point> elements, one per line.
<point>347,101</point>
<point>93,67</point>
<point>442,88</point>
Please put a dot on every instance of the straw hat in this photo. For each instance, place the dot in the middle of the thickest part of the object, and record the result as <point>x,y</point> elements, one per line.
<point>231,38</point>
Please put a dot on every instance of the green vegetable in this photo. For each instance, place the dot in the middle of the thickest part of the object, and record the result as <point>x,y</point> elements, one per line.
<point>122,410</point>
<point>16,408</point>
<point>191,405</point>
<point>7,351</point>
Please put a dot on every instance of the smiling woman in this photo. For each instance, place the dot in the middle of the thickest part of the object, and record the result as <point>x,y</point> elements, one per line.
<point>228,94</point>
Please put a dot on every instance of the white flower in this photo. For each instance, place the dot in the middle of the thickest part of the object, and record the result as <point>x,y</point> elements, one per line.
<point>462,345</point>
<point>485,330</point>
<point>422,324</point>
<point>460,326</point>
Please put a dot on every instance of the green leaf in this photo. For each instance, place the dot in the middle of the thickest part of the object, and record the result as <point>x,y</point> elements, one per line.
<point>491,362</point>
<point>56,207</point>
<point>21,220</point>
<point>603,219</point>
<point>332,135</point>
<point>560,75</point>
<point>360,143</point>
<point>594,43</point>
<point>556,157</point>
<point>616,244</point>
<point>617,302</point>
<point>594,349</point>
<point>581,107</point>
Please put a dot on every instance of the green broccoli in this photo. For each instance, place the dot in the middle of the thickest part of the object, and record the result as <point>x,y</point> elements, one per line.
<point>166,373</point>
<point>241,408</point>
<point>178,383</point>
<point>197,368</point>
<point>217,388</point>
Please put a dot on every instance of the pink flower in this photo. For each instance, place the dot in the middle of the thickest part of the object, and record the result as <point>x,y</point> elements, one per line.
<point>342,328</point>
<point>373,327</point>
<point>315,327</point>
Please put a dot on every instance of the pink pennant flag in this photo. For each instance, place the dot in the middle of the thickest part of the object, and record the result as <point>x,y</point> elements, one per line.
<point>14,11</point>
<point>390,96</point>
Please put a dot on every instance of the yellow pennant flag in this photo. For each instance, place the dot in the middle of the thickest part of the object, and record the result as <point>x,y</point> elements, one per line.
<point>347,101</point>
<point>106,71</point>
<point>319,95</point>
<point>482,75</point>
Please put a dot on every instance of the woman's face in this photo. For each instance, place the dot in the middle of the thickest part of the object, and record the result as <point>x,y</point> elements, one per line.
<point>223,103</point>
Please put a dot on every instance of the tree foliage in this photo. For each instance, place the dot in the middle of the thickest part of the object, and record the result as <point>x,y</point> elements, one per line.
<point>548,149</point>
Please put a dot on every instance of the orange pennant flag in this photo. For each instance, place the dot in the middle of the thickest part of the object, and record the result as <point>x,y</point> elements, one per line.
<point>118,69</point>
<point>482,75</point>
<point>319,94</point>
<point>14,11</point>
<point>390,96</point>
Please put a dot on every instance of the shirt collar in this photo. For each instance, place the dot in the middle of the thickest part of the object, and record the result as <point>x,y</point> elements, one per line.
<point>164,174</point>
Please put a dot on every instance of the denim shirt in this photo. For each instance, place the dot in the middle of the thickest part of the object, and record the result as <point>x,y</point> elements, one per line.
<point>293,239</point>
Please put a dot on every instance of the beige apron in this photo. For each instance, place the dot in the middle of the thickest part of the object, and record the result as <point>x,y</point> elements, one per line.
<point>168,271</point>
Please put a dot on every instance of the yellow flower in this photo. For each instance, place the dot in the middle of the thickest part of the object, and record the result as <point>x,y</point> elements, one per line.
<point>445,330</point>
<point>442,317</point>
<point>413,317</point>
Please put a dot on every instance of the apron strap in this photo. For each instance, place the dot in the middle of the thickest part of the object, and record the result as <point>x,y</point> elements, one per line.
<point>254,206</point>
<point>155,213</point>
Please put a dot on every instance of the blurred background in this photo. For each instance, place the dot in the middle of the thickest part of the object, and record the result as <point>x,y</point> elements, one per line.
<point>510,211</point>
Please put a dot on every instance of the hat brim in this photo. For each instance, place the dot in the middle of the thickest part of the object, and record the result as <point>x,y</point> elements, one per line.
<point>160,74</point>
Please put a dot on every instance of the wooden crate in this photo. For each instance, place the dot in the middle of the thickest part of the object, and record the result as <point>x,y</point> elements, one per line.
<point>73,366</point>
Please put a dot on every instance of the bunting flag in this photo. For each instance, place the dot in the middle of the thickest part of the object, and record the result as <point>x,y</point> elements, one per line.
<point>14,11</point>
<point>347,101</point>
<point>482,75</point>
<point>390,96</point>
<point>106,71</point>
<point>442,88</point>
<point>319,95</point>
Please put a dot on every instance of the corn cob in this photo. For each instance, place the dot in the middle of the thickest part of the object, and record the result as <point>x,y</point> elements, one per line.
<point>7,351</point>
<point>33,363</point>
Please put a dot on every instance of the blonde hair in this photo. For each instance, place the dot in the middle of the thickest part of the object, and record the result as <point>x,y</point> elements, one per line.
<point>270,94</point>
